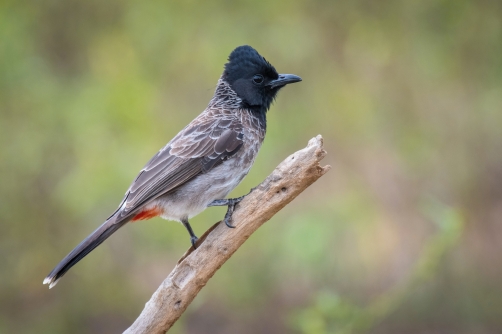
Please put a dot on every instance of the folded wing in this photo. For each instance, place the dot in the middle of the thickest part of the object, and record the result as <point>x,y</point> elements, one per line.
<point>202,145</point>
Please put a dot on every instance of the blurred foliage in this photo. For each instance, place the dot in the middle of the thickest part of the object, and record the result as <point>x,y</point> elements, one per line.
<point>403,235</point>
<point>331,314</point>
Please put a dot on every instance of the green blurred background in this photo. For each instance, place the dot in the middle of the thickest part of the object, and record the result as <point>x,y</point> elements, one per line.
<point>403,235</point>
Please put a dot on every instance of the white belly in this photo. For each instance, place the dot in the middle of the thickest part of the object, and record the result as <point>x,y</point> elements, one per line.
<point>193,197</point>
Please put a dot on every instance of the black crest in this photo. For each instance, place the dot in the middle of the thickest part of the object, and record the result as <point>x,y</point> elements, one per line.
<point>244,62</point>
<point>249,75</point>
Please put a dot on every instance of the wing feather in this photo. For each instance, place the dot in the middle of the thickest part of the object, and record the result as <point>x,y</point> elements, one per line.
<point>199,147</point>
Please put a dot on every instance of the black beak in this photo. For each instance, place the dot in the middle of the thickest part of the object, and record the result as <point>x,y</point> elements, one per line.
<point>283,80</point>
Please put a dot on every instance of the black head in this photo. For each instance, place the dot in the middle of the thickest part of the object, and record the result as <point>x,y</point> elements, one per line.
<point>253,78</point>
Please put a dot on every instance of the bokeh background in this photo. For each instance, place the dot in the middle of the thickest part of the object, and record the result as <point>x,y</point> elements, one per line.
<point>403,235</point>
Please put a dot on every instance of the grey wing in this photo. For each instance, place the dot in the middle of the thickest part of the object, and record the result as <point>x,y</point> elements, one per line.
<point>202,145</point>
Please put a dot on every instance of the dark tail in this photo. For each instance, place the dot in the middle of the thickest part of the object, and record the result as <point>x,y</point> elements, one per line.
<point>84,248</point>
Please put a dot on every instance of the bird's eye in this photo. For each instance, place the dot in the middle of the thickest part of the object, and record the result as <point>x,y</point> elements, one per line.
<point>258,79</point>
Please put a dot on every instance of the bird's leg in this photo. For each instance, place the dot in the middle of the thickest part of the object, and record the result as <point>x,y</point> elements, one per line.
<point>193,237</point>
<point>231,203</point>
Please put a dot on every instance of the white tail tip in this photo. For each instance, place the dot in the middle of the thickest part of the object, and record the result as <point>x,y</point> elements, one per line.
<point>49,280</point>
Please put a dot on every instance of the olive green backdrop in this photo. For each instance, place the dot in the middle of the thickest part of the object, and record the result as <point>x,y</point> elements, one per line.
<point>403,235</point>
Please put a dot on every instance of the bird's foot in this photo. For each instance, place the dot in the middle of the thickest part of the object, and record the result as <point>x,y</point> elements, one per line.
<point>218,202</point>
<point>193,240</point>
<point>231,203</point>
<point>193,237</point>
<point>231,206</point>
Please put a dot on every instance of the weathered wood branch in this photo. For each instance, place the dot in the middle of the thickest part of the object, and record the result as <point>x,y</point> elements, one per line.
<point>215,247</point>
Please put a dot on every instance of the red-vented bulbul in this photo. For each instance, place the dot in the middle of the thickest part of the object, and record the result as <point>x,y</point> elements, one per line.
<point>205,161</point>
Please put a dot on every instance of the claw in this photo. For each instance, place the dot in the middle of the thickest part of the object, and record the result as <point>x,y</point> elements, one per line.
<point>193,237</point>
<point>231,203</point>
<point>194,240</point>
<point>231,206</point>
<point>228,216</point>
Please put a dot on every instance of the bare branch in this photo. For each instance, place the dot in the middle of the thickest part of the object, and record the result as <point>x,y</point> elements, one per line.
<point>215,247</point>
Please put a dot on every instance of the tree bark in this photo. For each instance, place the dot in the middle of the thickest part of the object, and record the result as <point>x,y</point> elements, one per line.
<point>214,248</point>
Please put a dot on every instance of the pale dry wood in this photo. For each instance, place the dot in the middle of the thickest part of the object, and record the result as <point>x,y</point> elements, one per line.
<point>215,247</point>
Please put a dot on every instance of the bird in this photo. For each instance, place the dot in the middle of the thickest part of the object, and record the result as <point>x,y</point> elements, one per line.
<point>205,161</point>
